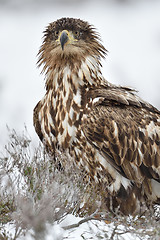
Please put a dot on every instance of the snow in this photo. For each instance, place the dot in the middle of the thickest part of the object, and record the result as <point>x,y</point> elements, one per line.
<point>90,230</point>
<point>131,33</point>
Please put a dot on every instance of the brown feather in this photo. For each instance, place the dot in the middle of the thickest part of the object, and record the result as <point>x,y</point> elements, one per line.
<point>107,130</point>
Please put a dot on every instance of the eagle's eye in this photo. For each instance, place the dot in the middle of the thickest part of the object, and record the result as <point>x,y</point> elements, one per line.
<point>56,33</point>
<point>77,34</point>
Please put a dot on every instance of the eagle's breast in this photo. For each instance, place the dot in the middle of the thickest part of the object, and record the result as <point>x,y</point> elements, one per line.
<point>65,103</point>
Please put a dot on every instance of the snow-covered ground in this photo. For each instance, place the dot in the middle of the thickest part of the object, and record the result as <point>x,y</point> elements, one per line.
<point>89,230</point>
<point>130,31</point>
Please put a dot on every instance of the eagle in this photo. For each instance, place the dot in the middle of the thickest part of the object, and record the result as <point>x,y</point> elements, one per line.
<point>108,131</point>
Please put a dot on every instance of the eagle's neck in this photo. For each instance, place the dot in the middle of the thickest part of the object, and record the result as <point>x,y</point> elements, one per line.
<point>67,88</point>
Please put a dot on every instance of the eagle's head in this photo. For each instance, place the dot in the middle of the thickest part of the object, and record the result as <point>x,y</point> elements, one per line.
<point>69,41</point>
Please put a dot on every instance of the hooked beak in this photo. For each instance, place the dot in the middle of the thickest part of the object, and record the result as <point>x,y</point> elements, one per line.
<point>63,38</point>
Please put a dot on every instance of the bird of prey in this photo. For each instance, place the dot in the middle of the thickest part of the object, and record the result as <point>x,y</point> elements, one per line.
<point>107,130</point>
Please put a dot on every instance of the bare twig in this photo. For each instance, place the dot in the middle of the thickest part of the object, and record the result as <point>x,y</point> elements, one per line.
<point>87,219</point>
<point>114,232</point>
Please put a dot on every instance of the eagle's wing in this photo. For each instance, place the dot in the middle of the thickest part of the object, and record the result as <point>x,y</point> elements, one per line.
<point>126,132</point>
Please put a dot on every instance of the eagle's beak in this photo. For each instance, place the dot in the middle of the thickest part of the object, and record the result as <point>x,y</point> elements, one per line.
<point>63,38</point>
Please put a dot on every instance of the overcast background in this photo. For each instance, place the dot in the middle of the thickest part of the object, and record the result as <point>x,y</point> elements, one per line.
<point>130,30</point>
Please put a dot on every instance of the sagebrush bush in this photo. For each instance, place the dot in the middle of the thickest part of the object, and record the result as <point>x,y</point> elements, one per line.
<point>33,190</point>
<point>37,188</point>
